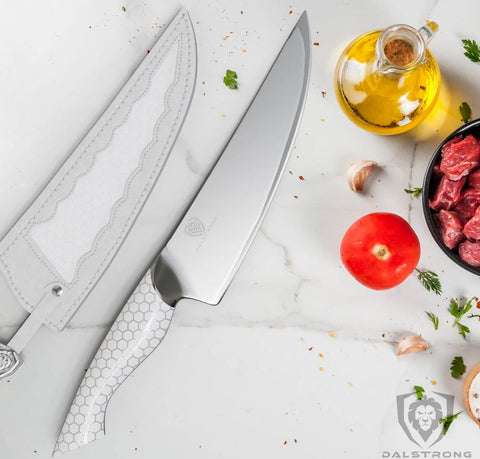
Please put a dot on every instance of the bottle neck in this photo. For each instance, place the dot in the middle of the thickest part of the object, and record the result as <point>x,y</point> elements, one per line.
<point>401,49</point>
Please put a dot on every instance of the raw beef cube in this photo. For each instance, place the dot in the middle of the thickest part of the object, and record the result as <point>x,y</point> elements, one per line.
<point>470,252</point>
<point>459,157</point>
<point>468,203</point>
<point>472,227</point>
<point>474,178</point>
<point>447,193</point>
<point>450,225</point>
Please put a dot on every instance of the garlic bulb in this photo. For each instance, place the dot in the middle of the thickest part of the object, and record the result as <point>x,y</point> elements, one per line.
<point>411,344</point>
<point>358,173</point>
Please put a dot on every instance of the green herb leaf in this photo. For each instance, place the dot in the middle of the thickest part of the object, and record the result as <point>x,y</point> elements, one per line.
<point>416,191</point>
<point>471,316</point>
<point>230,79</point>
<point>459,310</point>
<point>463,330</point>
<point>457,368</point>
<point>433,318</point>
<point>430,281</point>
<point>447,421</point>
<point>419,392</point>
<point>465,112</point>
<point>472,51</point>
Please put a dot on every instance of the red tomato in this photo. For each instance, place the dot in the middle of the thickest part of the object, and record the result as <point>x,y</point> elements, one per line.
<point>380,250</point>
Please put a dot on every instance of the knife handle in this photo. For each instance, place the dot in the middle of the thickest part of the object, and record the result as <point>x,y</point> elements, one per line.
<point>138,330</point>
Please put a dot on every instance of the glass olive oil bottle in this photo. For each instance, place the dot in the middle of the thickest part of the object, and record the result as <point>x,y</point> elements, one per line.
<point>387,81</point>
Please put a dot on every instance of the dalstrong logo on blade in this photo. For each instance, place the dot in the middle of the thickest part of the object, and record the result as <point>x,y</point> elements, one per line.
<point>420,419</point>
<point>194,227</point>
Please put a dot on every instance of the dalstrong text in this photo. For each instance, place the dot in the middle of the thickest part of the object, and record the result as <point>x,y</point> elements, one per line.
<point>426,454</point>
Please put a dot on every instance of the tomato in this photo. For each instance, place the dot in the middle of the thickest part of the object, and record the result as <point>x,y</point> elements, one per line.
<point>380,250</point>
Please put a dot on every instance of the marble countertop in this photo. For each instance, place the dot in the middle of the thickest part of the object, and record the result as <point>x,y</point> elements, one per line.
<point>298,360</point>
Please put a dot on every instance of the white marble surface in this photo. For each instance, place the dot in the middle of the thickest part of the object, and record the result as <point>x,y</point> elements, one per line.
<point>242,379</point>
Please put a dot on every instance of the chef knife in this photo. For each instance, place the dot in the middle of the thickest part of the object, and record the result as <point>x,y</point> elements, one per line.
<point>205,251</point>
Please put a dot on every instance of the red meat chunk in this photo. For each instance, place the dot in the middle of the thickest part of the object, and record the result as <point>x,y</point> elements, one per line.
<point>468,203</point>
<point>470,252</point>
<point>459,157</point>
<point>450,225</point>
<point>447,193</point>
<point>474,178</point>
<point>472,227</point>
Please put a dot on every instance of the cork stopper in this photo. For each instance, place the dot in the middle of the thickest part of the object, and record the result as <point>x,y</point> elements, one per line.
<point>399,52</point>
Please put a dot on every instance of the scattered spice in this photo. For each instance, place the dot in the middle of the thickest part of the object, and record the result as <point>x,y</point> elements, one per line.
<point>320,368</point>
<point>324,94</point>
<point>285,442</point>
<point>295,196</point>
<point>310,348</point>
<point>316,43</point>
<point>148,51</point>
<point>399,52</point>
<point>320,355</point>
<point>332,334</point>
<point>433,382</point>
<point>301,177</point>
<point>350,384</point>
<point>290,12</point>
<point>124,9</point>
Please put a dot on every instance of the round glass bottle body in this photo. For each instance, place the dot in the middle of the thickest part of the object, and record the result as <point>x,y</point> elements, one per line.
<point>382,96</point>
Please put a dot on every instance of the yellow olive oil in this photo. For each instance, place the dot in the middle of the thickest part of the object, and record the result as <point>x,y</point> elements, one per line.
<point>385,100</point>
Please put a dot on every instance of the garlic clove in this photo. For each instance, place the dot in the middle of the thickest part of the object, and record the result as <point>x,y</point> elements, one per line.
<point>411,344</point>
<point>358,173</point>
<point>471,393</point>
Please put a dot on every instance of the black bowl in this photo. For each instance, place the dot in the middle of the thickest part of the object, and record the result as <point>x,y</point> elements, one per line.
<point>430,183</point>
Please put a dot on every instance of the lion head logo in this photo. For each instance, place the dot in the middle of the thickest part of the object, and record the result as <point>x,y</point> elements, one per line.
<point>424,416</point>
<point>420,419</point>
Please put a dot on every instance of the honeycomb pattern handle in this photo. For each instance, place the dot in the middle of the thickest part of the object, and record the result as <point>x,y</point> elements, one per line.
<point>138,330</point>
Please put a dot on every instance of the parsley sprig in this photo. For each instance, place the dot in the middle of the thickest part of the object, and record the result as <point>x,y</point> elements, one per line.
<point>457,367</point>
<point>433,318</point>
<point>419,392</point>
<point>472,51</point>
<point>230,79</point>
<point>430,281</point>
<point>458,310</point>
<point>447,421</point>
<point>415,191</point>
<point>465,112</point>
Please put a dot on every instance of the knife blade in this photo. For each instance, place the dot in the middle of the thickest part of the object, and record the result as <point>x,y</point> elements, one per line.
<point>202,256</point>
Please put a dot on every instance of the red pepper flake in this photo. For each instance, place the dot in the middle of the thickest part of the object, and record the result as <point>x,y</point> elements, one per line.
<point>148,51</point>
<point>310,348</point>
<point>89,26</point>
<point>295,196</point>
<point>290,12</point>
<point>301,177</point>
<point>285,442</point>
<point>316,43</point>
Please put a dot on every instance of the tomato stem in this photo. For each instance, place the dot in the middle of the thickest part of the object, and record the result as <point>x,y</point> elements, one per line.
<point>381,251</point>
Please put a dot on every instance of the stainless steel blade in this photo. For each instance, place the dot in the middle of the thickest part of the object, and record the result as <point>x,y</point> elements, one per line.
<point>205,251</point>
